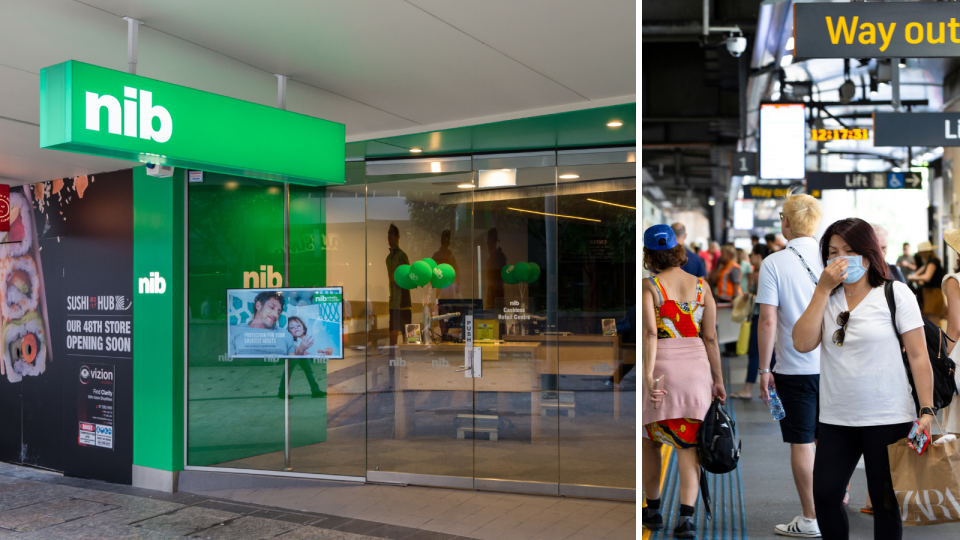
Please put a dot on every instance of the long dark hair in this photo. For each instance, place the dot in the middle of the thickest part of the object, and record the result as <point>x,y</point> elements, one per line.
<point>862,240</point>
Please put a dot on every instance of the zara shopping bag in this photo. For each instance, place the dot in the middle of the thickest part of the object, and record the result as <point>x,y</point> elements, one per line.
<point>928,485</point>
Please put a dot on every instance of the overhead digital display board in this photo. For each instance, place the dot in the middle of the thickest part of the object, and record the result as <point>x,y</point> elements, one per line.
<point>843,134</point>
<point>782,141</point>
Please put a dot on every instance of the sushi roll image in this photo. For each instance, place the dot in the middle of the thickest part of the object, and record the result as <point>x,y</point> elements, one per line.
<point>20,237</point>
<point>21,287</point>
<point>24,347</point>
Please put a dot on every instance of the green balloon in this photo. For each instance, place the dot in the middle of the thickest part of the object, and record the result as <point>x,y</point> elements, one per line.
<point>507,275</point>
<point>402,276</point>
<point>534,274</point>
<point>431,262</point>
<point>521,271</point>
<point>420,274</point>
<point>443,276</point>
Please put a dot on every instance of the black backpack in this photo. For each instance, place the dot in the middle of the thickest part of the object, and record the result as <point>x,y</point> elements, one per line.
<point>718,446</point>
<point>717,441</point>
<point>944,384</point>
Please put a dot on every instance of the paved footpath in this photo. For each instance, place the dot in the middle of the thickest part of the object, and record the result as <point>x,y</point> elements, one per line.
<point>36,504</point>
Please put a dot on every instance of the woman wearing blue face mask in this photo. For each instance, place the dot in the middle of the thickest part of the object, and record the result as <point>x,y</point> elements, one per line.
<point>865,396</point>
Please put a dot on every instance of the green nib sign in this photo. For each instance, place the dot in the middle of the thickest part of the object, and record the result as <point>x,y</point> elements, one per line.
<point>102,112</point>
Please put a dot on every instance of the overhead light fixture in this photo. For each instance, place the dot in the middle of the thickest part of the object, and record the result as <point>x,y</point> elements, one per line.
<point>273,190</point>
<point>613,204</point>
<point>847,90</point>
<point>497,178</point>
<point>786,60</point>
<point>614,123</point>
<point>466,186</point>
<point>903,63</point>
<point>554,215</point>
<point>824,151</point>
<point>775,96</point>
<point>434,166</point>
<point>789,46</point>
<point>569,176</point>
<point>416,150</point>
<point>711,201</point>
<point>231,185</point>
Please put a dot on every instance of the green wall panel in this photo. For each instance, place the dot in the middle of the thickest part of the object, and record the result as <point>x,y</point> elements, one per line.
<point>158,322</point>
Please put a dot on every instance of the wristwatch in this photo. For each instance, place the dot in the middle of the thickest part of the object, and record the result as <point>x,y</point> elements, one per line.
<point>927,410</point>
<point>762,371</point>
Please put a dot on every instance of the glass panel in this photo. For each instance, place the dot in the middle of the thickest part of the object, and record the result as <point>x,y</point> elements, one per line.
<point>235,419</point>
<point>328,412</point>
<point>419,408</point>
<point>597,291</point>
<point>516,398</point>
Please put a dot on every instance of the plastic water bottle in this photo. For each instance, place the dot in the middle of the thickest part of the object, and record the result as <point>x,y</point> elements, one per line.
<point>776,406</point>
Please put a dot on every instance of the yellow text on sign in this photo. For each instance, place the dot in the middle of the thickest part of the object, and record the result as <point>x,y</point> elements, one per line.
<point>867,33</point>
<point>760,192</point>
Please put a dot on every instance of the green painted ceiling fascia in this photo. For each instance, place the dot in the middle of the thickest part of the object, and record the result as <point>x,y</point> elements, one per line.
<point>563,130</point>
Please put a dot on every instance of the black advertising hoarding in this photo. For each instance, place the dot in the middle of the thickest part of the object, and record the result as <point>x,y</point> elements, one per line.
<point>916,129</point>
<point>73,313</point>
<point>876,30</point>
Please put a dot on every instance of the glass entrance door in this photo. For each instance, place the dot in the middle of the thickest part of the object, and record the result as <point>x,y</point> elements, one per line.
<point>516,397</point>
<point>420,278</point>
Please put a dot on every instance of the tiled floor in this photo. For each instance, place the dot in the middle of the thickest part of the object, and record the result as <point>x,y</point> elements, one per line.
<point>41,505</point>
<point>483,515</point>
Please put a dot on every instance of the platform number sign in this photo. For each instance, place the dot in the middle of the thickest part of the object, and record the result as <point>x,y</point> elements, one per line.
<point>743,164</point>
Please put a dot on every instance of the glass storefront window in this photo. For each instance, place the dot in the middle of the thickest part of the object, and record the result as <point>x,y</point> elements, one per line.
<point>543,259</point>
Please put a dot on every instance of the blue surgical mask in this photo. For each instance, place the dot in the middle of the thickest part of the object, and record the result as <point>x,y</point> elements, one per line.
<point>855,269</point>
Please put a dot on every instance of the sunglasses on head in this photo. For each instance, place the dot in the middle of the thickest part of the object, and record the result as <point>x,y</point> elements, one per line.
<point>842,319</point>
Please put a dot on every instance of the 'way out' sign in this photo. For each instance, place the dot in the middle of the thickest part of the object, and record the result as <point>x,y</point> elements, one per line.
<point>876,30</point>
<point>102,112</point>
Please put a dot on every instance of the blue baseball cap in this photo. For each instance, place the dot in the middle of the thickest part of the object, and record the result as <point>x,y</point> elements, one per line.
<point>659,237</point>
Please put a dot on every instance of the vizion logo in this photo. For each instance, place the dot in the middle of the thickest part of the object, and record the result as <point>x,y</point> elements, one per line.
<point>153,284</point>
<point>131,119</point>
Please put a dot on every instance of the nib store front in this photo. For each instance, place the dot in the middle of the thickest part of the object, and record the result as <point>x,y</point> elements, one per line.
<point>454,308</point>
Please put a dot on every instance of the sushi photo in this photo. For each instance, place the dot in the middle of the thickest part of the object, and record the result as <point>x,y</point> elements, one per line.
<point>19,239</point>
<point>24,347</point>
<point>21,285</point>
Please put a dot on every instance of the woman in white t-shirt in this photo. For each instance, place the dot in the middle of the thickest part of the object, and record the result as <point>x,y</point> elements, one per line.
<point>951,288</point>
<point>866,402</point>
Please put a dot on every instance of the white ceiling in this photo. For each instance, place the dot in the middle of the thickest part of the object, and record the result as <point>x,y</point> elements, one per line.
<point>381,67</point>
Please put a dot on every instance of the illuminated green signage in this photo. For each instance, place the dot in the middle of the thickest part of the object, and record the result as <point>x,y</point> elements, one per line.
<point>98,111</point>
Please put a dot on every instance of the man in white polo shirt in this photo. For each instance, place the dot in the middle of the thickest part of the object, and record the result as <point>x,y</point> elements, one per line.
<point>786,284</point>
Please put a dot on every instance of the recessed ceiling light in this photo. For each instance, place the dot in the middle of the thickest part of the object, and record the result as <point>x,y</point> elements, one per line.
<point>416,150</point>
<point>569,176</point>
<point>231,185</point>
<point>614,123</point>
<point>466,186</point>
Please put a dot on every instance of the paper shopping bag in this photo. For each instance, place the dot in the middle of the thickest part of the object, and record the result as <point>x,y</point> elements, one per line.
<point>927,486</point>
<point>743,341</point>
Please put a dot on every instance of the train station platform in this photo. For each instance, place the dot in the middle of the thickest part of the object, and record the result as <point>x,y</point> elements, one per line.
<point>751,501</point>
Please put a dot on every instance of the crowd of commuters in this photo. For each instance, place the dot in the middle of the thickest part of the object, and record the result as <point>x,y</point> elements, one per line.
<point>823,339</point>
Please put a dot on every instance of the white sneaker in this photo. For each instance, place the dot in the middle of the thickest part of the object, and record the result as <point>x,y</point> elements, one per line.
<point>800,527</point>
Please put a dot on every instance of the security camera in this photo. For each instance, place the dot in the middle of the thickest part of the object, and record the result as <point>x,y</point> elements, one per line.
<point>736,45</point>
<point>160,171</point>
